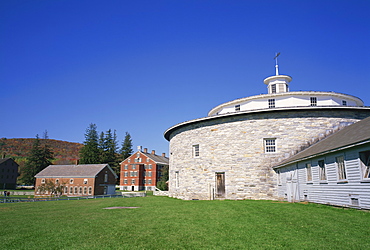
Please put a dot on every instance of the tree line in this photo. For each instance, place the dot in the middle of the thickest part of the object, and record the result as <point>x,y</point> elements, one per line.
<point>97,149</point>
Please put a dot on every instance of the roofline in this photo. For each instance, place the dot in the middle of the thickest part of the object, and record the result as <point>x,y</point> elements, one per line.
<point>168,132</point>
<point>249,98</point>
<point>322,153</point>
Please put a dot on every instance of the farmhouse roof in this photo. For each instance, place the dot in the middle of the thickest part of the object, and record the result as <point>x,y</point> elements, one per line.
<point>83,170</point>
<point>353,135</point>
<point>6,159</point>
<point>157,158</point>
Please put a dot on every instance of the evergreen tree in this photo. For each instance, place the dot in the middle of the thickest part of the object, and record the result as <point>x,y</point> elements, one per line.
<point>126,149</point>
<point>162,183</point>
<point>39,158</point>
<point>90,153</point>
<point>109,148</point>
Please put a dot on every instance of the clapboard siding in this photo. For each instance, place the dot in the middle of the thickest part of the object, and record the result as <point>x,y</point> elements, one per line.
<point>354,191</point>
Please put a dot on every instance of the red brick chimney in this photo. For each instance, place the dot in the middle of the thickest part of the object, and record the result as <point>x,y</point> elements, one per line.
<point>145,150</point>
<point>164,154</point>
<point>153,152</point>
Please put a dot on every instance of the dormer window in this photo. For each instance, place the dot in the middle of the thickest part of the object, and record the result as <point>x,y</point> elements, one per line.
<point>237,108</point>
<point>271,103</point>
<point>344,102</point>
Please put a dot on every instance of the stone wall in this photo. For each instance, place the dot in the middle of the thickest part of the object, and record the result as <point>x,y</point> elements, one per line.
<point>234,145</point>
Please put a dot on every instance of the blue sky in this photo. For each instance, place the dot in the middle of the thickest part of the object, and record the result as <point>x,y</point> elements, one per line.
<point>144,66</point>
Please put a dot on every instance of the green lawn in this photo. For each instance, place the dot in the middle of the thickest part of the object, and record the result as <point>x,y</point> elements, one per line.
<point>166,223</point>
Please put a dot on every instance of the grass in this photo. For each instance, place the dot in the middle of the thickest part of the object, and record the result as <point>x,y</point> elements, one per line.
<point>166,223</point>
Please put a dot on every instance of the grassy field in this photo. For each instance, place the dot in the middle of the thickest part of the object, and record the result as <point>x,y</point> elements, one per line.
<point>166,223</point>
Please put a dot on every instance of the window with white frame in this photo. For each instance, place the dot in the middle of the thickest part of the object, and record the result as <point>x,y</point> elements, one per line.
<point>313,101</point>
<point>133,181</point>
<point>90,190</point>
<point>150,174</point>
<point>270,145</point>
<point>147,159</point>
<point>85,181</point>
<point>125,174</point>
<point>365,164</point>
<point>149,181</point>
<point>125,181</point>
<point>105,177</point>
<point>322,172</point>
<point>344,102</point>
<point>126,167</point>
<point>85,190</point>
<point>196,150</point>
<point>308,172</point>
<point>271,103</point>
<point>71,190</point>
<point>70,181</point>
<point>133,166</point>
<point>66,190</point>
<point>341,168</point>
<point>57,181</point>
<point>42,181</point>
<point>237,107</point>
<point>150,166</point>
<point>76,190</point>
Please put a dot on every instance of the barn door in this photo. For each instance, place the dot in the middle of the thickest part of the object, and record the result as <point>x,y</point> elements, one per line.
<point>292,185</point>
<point>220,185</point>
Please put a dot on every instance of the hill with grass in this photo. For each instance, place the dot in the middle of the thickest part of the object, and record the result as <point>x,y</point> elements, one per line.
<point>19,148</point>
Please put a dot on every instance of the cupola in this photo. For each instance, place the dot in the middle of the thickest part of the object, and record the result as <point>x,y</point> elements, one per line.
<point>277,83</point>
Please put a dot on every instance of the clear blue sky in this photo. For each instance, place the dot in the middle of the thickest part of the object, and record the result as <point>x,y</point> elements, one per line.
<point>144,66</point>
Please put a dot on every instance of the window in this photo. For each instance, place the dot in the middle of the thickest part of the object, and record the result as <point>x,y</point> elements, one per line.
<point>85,181</point>
<point>147,159</point>
<point>177,179</point>
<point>65,190</point>
<point>196,150</point>
<point>85,190</point>
<point>270,145</point>
<point>129,160</point>
<point>150,166</point>
<point>133,181</point>
<point>344,103</point>
<point>137,159</point>
<point>56,181</point>
<point>126,167</point>
<point>71,181</point>
<point>308,171</point>
<point>80,190</point>
<point>133,166</point>
<point>76,189</point>
<point>71,190</point>
<point>149,181</point>
<point>273,88</point>
<point>144,182</point>
<point>322,173</point>
<point>124,181</point>
<point>313,101</point>
<point>106,177</point>
<point>126,174</point>
<point>278,177</point>
<point>365,163</point>
<point>43,181</point>
<point>271,103</point>
<point>237,107</point>
<point>90,190</point>
<point>341,168</point>
<point>150,174</point>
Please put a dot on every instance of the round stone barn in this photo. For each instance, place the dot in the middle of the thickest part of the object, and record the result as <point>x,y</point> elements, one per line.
<point>230,153</point>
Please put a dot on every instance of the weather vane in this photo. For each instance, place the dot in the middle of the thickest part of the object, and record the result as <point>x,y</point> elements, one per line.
<point>276,63</point>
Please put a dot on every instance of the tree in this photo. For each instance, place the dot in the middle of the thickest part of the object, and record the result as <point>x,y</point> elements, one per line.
<point>90,153</point>
<point>126,149</point>
<point>49,187</point>
<point>108,146</point>
<point>39,158</point>
<point>162,183</point>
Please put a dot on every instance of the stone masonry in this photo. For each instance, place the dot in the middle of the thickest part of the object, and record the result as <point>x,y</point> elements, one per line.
<point>234,144</point>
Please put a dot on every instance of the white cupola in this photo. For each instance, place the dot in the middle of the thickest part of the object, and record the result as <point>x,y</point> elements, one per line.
<point>277,83</point>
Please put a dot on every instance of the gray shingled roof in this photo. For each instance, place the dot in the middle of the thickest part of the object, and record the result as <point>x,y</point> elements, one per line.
<point>157,158</point>
<point>355,134</point>
<point>83,170</point>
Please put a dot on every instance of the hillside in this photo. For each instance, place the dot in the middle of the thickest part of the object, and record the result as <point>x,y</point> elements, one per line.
<point>18,148</point>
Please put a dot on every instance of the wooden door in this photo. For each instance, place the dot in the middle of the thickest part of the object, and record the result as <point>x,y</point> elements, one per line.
<point>220,185</point>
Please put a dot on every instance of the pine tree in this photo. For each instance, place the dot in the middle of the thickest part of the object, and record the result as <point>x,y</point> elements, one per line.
<point>39,158</point>
<point>126,149</point>
<point>162,183</point>
<point>90,153</point>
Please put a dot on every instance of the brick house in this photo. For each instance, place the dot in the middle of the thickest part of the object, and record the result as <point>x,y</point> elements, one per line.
<point>8,173</point>
<point>142,170</point>
<point>78,180</point>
